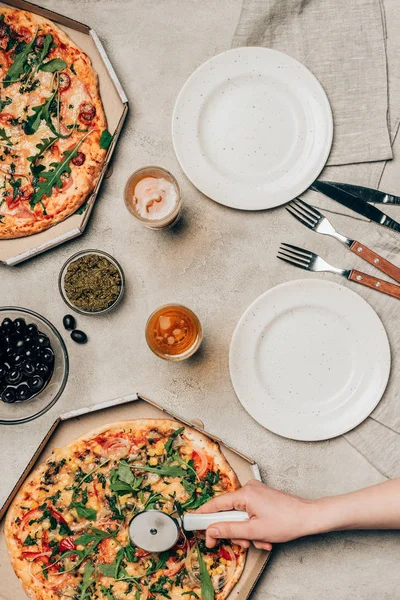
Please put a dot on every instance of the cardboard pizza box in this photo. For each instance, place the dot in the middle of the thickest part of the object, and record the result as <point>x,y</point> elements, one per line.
<point>115,105</point>
<point>73,424</point>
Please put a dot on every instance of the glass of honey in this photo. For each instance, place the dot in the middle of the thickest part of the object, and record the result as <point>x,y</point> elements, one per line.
<point>153,196</point>
<point>173,332</point>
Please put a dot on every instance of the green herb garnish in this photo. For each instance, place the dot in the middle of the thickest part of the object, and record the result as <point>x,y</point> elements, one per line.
<point>30,541</point>
<point>207,590</point>
<point>51,66</point>
<point>86,583</point>
<point>52,177</point>
<point>21,64</point>
<point>105,139</point>
<point>168,444</point>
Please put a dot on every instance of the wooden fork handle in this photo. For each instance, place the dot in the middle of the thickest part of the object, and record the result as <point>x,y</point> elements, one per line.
<point>391,289</point>
<point>376,260</point>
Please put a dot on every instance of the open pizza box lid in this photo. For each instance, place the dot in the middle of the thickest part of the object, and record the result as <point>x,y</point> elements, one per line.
<point>74,424</point>
<point>115,105</point>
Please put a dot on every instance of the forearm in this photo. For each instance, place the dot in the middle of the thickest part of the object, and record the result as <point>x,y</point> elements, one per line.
<point>376,507</point>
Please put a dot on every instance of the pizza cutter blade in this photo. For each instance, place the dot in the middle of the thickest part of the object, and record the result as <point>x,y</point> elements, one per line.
<point>156,531</point>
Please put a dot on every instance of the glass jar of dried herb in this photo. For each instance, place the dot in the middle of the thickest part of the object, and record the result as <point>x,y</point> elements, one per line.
<point>91,282</point>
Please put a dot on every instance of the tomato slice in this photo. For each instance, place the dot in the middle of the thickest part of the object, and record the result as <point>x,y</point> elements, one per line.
<point>67,544</point>
<point>224,554</point>
<point>200,462</point>
<point>58,516</point>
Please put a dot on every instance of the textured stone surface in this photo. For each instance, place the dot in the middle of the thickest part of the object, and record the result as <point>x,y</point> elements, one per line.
<point>217,261</point>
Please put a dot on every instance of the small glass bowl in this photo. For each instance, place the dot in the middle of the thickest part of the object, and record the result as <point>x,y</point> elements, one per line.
<point>152,171</point>
<point>63,272</point>
<point>27,410</point>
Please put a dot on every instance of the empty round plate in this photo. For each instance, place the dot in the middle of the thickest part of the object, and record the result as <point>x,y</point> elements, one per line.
<point>252,128</point>
<point>309,360</point>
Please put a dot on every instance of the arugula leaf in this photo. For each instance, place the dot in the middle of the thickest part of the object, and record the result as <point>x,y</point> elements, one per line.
<point>40,113</point>
<point>158,586</point>
<point>30,541</point>
<point>107,592</point>
<point>4,136</point>
<point>123,481</point>
<point>207,590</point>
<point>188,486</point>
<point>87,582</point>
<point>96,535</point>
<point>83,511</point>
<point>20,66</point>
<point>166,470</point>
<point>156,566</point>
<point>168,444</point>
<point>2,217</point>
<point>107,569</point>
<point>51,66</point>
<point>52,178</point>
<point>105,139</point>
<point>42,146</point>
<point>80,211</point>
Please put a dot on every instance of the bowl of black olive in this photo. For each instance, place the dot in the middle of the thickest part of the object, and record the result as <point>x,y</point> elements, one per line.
<point>33,365</point>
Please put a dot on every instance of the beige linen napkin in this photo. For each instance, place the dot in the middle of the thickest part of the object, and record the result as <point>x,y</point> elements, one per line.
<point>343,43</point>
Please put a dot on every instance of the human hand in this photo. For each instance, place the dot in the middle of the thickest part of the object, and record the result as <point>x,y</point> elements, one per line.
<point>274,516</point>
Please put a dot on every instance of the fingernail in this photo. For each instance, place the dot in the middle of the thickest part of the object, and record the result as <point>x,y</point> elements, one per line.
<point>214,532</point>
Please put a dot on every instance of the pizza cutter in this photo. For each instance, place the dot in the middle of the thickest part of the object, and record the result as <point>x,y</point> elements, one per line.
<point>156,531</point>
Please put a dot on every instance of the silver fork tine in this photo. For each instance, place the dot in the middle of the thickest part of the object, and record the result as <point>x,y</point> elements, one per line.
<point>292,262</point>
<point>292,209</point>
<point>301,251</point>
<point>313,211</point>
<point>293,255</point>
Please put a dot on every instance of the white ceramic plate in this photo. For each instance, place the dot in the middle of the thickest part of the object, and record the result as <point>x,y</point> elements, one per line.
<point>252,128</point>
<point>309,359</point>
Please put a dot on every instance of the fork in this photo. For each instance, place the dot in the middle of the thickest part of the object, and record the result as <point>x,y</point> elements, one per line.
<point>313,219</point>
<point>304,259</point>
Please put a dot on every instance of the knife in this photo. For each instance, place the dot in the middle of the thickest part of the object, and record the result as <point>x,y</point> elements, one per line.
<point>359,206</point>
<point>367,194</point>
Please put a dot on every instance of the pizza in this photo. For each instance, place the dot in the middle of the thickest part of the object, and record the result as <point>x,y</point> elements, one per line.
<point>53,135</point>
<point>67,529</point>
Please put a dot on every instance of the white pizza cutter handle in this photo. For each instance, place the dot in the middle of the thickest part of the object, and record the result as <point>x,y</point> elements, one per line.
<point>198,522</point>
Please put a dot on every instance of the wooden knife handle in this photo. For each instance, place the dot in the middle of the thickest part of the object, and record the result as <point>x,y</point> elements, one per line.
<point>376,260</point>
<point>391,289</point>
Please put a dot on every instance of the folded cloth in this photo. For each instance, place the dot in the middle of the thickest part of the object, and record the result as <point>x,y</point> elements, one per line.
<point>343,42</point>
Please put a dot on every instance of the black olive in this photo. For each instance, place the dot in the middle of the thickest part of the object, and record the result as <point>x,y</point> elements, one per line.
<point>29,341</point>
<point>9,351</point>
<point>32,329</point>
<point>20,325</point>
<point>36,383</point>
<point>69,322</point>
<point>23,392</point>
<point>18,360</point>
<point>47,356</point>
<point>7,325</point>
<point>31,353</point>
<point>3,371</point>
<point>79,336</point>
<point>13,377</point>
<point>28,368</point>
<point>19,346</point>
<point>8,395</point>
<point>42,341</point>
<point>42,370</point>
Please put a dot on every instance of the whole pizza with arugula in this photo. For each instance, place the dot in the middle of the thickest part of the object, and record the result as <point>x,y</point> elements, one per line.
<point>67,529</point>
<point>53,135</point>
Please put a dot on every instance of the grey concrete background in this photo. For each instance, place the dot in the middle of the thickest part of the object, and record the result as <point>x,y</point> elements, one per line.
<point>217,262</point>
